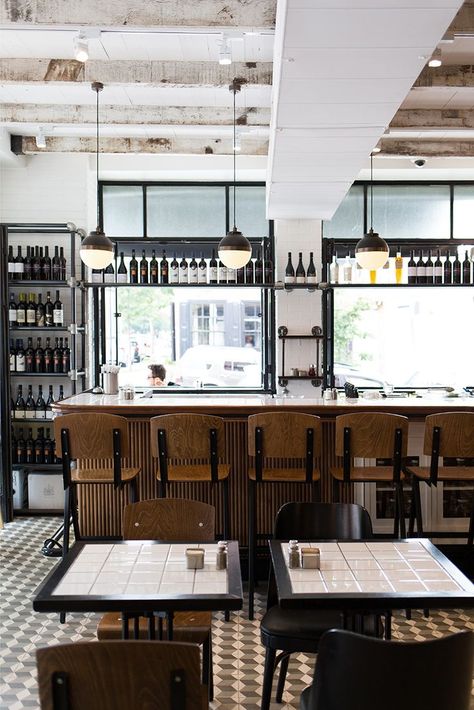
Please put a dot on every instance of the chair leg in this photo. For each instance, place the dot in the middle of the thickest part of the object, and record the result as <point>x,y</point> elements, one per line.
<point>162,489</point>
<point>282,677</point>
<point>401,511</point>
<point>388,625</point>
<point>396,516</point>
<point>470,536</point>
<point>411,522</point>
<point>252,538</point>
<point>270,655</point>
<point>207,672</point>
<point>134,497</point>
<point>419,519</point>
<point>335,490</point>
<point>74,512</point>
<point>67,520</point>
<point>225,497</point>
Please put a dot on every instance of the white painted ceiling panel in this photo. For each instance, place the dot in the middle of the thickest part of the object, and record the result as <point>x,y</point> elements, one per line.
<point>328,115</point>
<point>351,91</point>
<point>372,4</point>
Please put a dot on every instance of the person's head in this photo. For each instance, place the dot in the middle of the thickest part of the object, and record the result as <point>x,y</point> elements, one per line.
<point>157,372</point>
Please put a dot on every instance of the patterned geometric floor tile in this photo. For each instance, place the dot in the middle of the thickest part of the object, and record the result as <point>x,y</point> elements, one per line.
<point>238,654</point>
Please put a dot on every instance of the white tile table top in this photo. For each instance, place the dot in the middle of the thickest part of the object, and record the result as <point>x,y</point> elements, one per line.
<point>374,567</point>
<point>141,568</point>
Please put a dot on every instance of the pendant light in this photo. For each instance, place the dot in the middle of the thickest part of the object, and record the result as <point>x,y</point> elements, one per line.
<point>96,250</point>
<point>371,251</point>
<point>234,249</point>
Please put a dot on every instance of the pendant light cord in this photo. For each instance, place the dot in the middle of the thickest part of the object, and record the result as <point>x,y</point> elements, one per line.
<point>371,191</point>
<point>233,145</point>
<point>97,157</point>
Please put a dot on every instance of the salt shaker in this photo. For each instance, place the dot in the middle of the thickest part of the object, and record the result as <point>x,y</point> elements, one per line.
<point>221,555</point>
<point>293,554</point>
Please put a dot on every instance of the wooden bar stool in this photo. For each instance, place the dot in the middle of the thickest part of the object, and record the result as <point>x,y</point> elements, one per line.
<point>190,448</point>
<point>98,436</point>
<point>373,435</point>
<point>284,447</point>
<point>451,436</point>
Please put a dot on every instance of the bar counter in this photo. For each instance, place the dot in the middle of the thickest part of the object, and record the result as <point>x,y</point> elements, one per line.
<point>100,507</point>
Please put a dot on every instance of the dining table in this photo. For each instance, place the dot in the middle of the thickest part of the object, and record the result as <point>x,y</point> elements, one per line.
<point>141,577</point>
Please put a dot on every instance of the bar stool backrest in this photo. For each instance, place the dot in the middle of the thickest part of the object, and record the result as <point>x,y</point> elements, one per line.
<point>355,671</point>
<point>372,434</point>
<point>120,675</point>
<point>91,435</point>
<point>322,521</point>
<point>169,519</point>
<point>187,435</point>
<point>456,434</point>
<point>284,434</point>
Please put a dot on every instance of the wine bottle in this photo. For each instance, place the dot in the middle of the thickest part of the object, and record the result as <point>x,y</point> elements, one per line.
<point>202,270</point>
<point>61,393</point>
<point>49,403</point>
<point>347,270</point>
<point>429,269</point>
<point>62,264</point>
<point>259,268</point>
<point>20,404</point>
<point>27,265</point>
<point>420,269</point>
<point>222,272</point>
<point>48,356</point>
<point>48,448</point>
<point>39,446</point>
<point>14,448</point>
<point>164,269</point>
<point>31,311</point>
<point>174,270</point>
<point>58,312</point>
<point>240,275</point>
<point>21,311</point>
<point>133,269</point>
<point>143,268</point>
<point>46,269</point>
<point>438,270</point>
<point>20,359</point>
<point>11,265</point>
<point>30,447</point>
<point>398,266</point>
<point>154,269</point>
<point>183,271</point>
<point>12,312</point>
<point>334,269</point>
<point>19,266</point>
<point>12,356</point>
<point>373,276</point>
<point>268,271</point>
<point>109,273</point>
<point>122,271</point>
<point>66,356</point>
<point>457,270</point>
<point>311,276</point>
<point>57,358</point>
<point>448,269</point>
<point>56,265</point>
<point>40,404</point>
<point>40,313</point>
<point>250,272</point>
<point>21,447</point>
<point>39,357</point>
<point>412,268</point>
<point>29,356</point>
<point>30,407</point>
<point>231,275</point>
<point>213,268</point>
<point>97,276</point>
<point>193,275</point>
<point>466,270</point>
<point>48,310</point>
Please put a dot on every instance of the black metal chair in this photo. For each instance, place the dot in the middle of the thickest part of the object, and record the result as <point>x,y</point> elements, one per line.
<point>354,672</point>
<point>299,631</point>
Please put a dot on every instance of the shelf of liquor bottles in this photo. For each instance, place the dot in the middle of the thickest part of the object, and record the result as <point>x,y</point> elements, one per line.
<point>89,284</point>
<point>392,285</point>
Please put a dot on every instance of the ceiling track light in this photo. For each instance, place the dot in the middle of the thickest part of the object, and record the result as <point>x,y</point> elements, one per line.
<point>436,59</point>
<point>81,47</point>
<point>237,141</point>
<point>96,250</point>
<point>225,51</point>
<point>40,138</point>
<point>371,251</point>
<point>234,249</point>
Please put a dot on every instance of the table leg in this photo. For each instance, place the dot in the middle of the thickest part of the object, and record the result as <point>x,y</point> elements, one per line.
<point>170,616</point>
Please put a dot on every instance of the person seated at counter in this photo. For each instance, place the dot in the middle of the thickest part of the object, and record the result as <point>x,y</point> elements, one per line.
<point>157,375</point>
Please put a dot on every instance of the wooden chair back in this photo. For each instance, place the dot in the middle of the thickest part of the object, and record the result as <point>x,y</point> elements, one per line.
<point>187,436</point>
<point>372,434</point>
<point>119,675</point>
<point>169,519</point>
<point>91,435</point>
<point>456,434</point>
<point>284,434</point>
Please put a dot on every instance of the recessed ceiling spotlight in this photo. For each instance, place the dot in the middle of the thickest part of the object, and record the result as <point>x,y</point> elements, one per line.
<point>436,60</point>
<point>377,149</point>
<point>419,162</point>
<point>225,51</point>
<point>40,138</point>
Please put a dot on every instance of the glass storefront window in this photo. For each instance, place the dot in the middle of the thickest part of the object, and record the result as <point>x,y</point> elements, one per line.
<point>123,210</point>
<point>348,220</point>
<point>186,211</point>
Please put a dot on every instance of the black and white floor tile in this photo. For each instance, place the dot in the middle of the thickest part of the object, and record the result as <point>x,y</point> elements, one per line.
<point>238,654</point>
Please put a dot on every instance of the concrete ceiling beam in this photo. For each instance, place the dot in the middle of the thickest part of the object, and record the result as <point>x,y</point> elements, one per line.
<point>425,148</point>
<point>463,22</point>
<point>453,76</point>
<point>433,119</point>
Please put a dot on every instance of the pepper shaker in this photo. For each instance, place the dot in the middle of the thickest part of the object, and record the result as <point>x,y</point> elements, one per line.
<point>221,555</point>
<point>293,554</point>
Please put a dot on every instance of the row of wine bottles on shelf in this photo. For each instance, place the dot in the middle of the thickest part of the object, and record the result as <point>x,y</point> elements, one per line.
<point>439,269</point>
<point>36,265</point>
<point>38,450</point>
<point>29,313</point>
<point>192,271</point>
<point>300,275</point>
<point>34,408</point>
<point>45,360</point>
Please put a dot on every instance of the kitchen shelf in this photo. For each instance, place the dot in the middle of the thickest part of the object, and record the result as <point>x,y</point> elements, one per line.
<point>300,377</point>
<point>33,328</point>
<point>354,285</point>
<point>27,375</point>
<point>37,284</point>
<point>300,287</point>
<point>89,284</point>
<point>317,336</point>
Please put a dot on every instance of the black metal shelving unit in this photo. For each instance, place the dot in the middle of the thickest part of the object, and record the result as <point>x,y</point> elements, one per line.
<point>316,335</point>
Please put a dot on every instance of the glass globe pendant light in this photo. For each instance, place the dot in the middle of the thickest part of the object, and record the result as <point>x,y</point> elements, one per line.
<point>371,251</point>
<point>234,249</point>
<point>96,250</point>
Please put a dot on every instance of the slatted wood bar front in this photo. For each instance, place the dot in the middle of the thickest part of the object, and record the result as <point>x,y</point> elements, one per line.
<point>100,506</point>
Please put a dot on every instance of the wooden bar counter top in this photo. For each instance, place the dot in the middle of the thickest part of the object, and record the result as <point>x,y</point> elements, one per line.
<point>100,506</point>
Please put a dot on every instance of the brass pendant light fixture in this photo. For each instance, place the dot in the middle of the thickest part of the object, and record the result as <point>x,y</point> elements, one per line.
<point>371,251</point>
<point>234,249</point>
<point>96,250</point>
